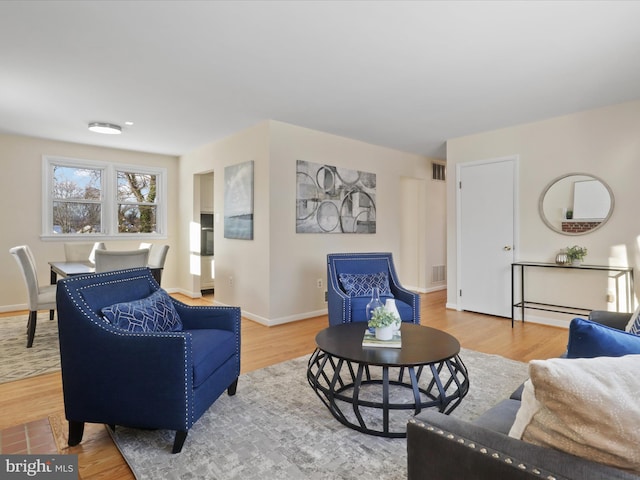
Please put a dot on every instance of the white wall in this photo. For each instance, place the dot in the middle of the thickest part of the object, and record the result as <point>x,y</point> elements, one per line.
<point>275,275</point>
<point>247,261</point>
<point>436,239</point>
<point>21,216</point>
<point>604,142</point>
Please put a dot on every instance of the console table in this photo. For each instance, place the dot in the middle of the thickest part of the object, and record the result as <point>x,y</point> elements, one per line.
<point>627,272</point>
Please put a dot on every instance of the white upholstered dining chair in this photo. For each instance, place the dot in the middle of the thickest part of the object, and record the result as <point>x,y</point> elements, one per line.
<point>110,260</point>
<point>157,257</point>
<point>82,251</point>
<point>39,297</point>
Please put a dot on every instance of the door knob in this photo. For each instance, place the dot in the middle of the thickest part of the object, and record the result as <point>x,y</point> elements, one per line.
<point>506,248</point>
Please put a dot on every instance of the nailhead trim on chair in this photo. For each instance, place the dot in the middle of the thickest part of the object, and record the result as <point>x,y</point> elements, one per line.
<point>391,268</point>
<point>483,450</point>
<point>96,320</point>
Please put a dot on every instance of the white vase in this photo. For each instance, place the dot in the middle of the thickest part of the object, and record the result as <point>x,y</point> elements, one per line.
<point>390,306</point>
<point>384,333</point>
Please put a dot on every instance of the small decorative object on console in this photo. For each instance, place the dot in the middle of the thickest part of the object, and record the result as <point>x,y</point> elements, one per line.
<point>576,254</point>
<point>562,258</point>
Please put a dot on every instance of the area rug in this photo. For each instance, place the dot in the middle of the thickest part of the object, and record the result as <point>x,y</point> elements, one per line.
<point>275,427</point>
<point>16,360</point>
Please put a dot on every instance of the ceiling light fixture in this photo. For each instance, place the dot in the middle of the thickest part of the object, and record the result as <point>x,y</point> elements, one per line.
<point>108,128</point>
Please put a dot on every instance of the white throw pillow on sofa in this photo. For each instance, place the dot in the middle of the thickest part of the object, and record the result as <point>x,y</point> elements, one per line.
<point>587,407</point>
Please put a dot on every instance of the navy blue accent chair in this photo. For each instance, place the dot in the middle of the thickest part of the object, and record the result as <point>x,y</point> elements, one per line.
<point>345,308</point>
<point>152,380</point>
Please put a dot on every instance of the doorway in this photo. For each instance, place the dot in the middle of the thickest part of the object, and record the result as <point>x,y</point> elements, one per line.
<point>487,221</point>
<point>204,215</point>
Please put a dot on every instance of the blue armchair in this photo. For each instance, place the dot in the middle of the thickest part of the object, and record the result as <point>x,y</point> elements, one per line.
<point>118,371</point>
<point>348,297</point>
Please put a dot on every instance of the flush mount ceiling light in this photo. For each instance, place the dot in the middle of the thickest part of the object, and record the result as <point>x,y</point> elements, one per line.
<point>108,128</point>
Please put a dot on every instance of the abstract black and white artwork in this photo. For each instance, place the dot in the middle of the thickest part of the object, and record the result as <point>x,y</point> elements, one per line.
<point>238,201</point>
<point>334,200</point>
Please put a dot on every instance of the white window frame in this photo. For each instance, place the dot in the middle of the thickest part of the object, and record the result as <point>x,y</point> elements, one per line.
<point>109,199</point>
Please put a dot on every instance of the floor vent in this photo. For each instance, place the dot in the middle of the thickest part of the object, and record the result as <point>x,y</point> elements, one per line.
<point>438,273</point>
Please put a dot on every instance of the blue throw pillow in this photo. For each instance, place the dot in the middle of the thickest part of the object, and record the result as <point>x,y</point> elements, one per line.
<point>589,339</point>
<point>156,313</point>
<point>360,284</point>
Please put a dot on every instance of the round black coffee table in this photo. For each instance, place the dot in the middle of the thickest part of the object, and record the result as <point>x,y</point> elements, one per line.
<point>347,377</point>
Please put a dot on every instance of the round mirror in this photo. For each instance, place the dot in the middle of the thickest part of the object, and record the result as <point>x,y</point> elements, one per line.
<point>576,203</point>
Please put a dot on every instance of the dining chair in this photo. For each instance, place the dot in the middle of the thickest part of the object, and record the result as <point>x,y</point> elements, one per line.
<point>40,297</point>
<point>157,257</point>
<point>110,260</point>
<point>146,245</point>
<point>82,251</point>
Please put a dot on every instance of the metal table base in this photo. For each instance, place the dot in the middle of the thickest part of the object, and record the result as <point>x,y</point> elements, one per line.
<point>335,379</point>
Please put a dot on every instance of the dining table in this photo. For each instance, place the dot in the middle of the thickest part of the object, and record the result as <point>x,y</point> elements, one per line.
<point>68,269</point>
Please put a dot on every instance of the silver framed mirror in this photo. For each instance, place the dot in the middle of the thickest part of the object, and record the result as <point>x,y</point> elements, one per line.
<point>576,204</point>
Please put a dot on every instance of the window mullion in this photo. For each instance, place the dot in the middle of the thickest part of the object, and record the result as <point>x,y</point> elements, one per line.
<point>110,204</point>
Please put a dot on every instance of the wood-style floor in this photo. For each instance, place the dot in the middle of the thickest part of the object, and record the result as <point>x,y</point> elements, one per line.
<point>37,398</point>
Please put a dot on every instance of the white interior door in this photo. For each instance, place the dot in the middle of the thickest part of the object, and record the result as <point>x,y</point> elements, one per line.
<point>486,228</point>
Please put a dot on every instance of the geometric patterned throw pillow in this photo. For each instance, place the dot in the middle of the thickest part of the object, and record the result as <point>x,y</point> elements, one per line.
<point>360,284</point>
<point>634,323</point>
<point>156,313</point>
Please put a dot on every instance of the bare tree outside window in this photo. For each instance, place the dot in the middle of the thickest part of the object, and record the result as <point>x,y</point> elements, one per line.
<point>77,196</point>
<point>137,208</point>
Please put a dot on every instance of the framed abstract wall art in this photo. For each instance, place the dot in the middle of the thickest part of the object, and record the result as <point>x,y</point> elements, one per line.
<point>332,199</point>
<point>238,201</point>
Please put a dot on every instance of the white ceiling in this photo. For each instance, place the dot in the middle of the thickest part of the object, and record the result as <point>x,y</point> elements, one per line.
<point>406,75</point>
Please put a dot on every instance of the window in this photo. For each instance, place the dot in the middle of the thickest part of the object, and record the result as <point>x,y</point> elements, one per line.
<point>83,197</point>
<point>76,200</point>
<point>137,209</point>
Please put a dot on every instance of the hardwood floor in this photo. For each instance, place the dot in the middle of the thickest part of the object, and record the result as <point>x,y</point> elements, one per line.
<point>37,398</point>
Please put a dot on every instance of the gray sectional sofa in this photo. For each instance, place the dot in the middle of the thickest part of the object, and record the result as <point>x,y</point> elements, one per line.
<point>441,447</point>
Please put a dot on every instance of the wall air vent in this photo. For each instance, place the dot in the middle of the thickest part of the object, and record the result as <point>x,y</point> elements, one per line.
<point>439,171</point>
<point>438,273</point>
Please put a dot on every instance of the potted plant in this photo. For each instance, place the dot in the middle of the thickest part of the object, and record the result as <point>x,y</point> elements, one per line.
<point>576,254</point>
<point>382,320</point>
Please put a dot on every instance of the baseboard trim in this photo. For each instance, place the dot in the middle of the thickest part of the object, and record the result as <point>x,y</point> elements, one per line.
<point>552,322</point>
<point>271,322</point>
<point>13,308</point>
<point>425,290</point>
<point>186,293</point>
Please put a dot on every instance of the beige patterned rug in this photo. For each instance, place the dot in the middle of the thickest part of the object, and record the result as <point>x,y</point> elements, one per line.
<point>16,360</point>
